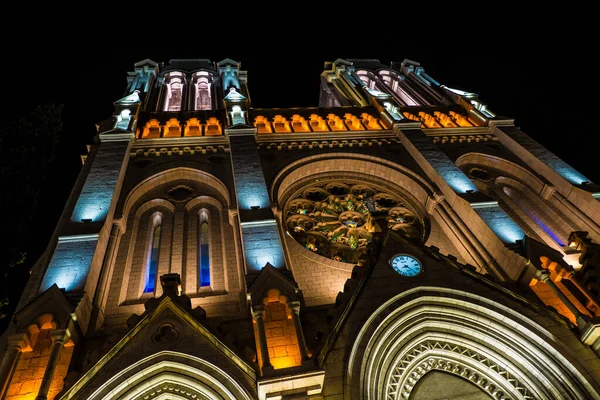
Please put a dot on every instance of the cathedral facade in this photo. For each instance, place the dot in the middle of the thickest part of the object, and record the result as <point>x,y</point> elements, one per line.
<point>398,241</point>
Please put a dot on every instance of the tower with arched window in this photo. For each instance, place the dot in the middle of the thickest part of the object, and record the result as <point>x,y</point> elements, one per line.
<point>399,240</point>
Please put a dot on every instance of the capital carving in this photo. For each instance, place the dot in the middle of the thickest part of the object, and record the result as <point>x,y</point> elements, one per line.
<point>438,196</point>
<point>294,306</point>
<point>60,335</point>
<point>430,205</point>
<point>19,341</point>
<point>258,313</point>
<point>547,191</point>
<point>232,213</point>
<point>542,275</point>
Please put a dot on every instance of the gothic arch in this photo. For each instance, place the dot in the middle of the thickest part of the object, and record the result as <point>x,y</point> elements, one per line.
<point>492,346</point>
<point>344,163</point>
<point>502,167</point>
<point>219,269</point>
<point>334,205</point>
<point>171,175</point>
<point>133,292</point>
<point>538,211</point>
<point>178,194</point>
<point>171,375</point>
<point>174,88</point>
<point>520,192</point>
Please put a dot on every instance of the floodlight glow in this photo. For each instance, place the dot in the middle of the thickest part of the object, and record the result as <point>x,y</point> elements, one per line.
<point>70,262</point>
<point>558,165</point>
<point>97,192</point>
<point>96,211</point>
<point>458,181</point>
<point>508,233</point>
<point>392,109</point>
<point>571,174</point>
<point>262,245</point>
<point>251,200</point>
<point>499,221</point>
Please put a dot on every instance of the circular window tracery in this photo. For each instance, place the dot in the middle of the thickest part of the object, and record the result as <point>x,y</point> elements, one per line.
<point>336,218</point>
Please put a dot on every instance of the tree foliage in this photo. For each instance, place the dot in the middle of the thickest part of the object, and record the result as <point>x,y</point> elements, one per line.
<point>27,147</point>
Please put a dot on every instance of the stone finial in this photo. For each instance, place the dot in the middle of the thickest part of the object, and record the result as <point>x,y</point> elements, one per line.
<point>171,284</point>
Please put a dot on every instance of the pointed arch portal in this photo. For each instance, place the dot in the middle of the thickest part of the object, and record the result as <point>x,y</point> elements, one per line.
<point>451,334</point>
<point>171,375</point>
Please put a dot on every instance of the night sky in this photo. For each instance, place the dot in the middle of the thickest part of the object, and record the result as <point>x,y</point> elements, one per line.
<point>543,91</point>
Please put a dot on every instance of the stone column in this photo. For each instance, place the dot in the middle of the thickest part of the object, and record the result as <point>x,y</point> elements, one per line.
<point>295,308</point>
<point>101,289</point>
<point>544,276</point>
<point>471,244</point>
<point>59,337</point>
<point>16,344</point>
<point>259,316</point>
<point>178,240</point>
<point>571,276</point>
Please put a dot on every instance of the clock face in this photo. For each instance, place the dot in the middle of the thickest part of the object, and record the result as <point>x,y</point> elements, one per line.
<point>406,265</point>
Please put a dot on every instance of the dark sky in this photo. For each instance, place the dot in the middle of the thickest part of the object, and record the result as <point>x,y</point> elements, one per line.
<point>549,94</point>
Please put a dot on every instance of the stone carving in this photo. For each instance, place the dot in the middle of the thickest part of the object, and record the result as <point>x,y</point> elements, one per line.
<point>180,193</point>
<point>335,218</point>
<point>406,374</point>
<point>165,333</point>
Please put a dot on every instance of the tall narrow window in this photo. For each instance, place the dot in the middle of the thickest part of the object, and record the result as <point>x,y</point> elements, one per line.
<point>204,255</point>
<point>175,83</point>
<point>152,265</point>
<point>202,81</point>
<point>174,103</point>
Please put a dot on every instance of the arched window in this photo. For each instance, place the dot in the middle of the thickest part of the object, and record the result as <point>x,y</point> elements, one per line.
<point>548,223</point>
<point>203,98</point>
<point>174,91</point>
<point>203,251</point>
<point>153,250</point>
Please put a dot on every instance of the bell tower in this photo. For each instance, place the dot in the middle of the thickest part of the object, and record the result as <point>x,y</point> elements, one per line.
<point>397,240</point>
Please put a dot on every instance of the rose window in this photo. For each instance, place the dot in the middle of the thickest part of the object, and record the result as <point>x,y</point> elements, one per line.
<point>336,219</point>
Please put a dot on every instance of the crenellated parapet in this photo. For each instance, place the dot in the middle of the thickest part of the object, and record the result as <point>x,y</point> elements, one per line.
<point>169,126</point>
<point>316,120</point>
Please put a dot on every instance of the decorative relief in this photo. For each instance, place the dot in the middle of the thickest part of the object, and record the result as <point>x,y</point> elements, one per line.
<point>406,374</point>
<point>165,333</point>
<point>327,144</point>
<point>180,193</point>
<point>480,174</point>
<point>179,151</point>
<point>440,119</point>
<point>334,218</point>
<point>463,139</point>
<point>173,389</point>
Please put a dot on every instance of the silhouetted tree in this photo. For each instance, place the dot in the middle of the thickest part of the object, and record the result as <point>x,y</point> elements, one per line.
<point>27,147</point>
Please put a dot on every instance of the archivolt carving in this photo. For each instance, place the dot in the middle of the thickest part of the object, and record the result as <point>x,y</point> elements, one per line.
<point>171,390</point>
<point>407,372</point>
<point>180,193</point>
<point>470,336</point>
<point>160,376</point>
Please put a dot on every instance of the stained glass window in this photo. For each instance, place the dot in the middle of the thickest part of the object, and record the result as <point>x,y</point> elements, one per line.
<point>152,261</point>
<point>204,256</point>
